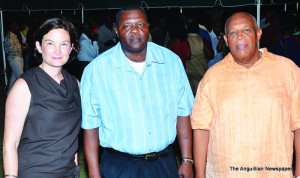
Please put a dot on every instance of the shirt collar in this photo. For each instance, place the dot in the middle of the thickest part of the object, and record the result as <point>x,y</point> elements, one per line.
<point>212,33</point>
<point>152,56</point>
<point>229,59</point>
<point>84,36</point>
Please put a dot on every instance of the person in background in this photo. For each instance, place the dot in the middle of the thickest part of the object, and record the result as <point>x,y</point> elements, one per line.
<point>43,110</point>
<point>93,24</point>
<point>200,48</point>
<point>265,22</point>
<point>89,49</point>
<point>135,99</point>
<point>23,33</point>
<point>13,50</point>
<point>178,42</point>
<point>287,45</point>
<point>271,33</point>
<point>216,37</point>
<point>106,35</point>
<point>296,33</point>
<point>246,115</point>
<point>35,23</point>
<point>160,33</point>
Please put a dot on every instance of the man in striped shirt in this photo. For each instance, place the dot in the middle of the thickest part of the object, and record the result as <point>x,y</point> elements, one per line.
<point>246,114</point>
<point>135,100</point>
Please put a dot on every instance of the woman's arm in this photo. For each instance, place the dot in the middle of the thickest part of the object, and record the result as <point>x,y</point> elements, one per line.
<point>208,51</point>
<point>76,154</point>
<point>16,109</point>
<point>76,158</point>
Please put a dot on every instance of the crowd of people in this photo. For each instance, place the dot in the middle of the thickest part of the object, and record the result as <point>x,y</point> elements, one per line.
<point>233,107</point>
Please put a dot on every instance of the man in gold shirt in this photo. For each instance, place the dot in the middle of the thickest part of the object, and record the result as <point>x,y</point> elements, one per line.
<point>246,113</point>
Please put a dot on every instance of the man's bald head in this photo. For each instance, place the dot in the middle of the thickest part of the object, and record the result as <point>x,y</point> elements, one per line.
<point>242,36</point>
<point>239,15</point>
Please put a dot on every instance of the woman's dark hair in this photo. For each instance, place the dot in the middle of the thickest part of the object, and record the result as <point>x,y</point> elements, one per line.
<point>178,31</point>
<point>56,23</point>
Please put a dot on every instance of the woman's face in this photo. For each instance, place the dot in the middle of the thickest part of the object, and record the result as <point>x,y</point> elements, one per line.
<point>56,47</point>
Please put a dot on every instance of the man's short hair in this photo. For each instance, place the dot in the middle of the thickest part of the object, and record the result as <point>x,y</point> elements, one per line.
<point>129,8</point>
<point>225,27</point>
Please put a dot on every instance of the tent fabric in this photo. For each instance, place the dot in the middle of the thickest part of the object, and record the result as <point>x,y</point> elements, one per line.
<point>92,4</point>
<point>21,5</point>
<point>285,1</point>
<point>52,5</point>
<point>24,5</point>
<point>11,5</point>
<point>231,3</point>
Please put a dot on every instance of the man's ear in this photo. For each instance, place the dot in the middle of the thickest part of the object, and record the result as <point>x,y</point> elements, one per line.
<point>117,32</point>
<point>258,34</point>
<point>38,47</point>
<point>225,39</point>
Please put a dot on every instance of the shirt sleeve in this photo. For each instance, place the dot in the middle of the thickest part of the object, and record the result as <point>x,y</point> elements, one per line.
<point>201,117</point>
<point>295,103</point>
<point>185,94</point>
<point>91,113</point>
<point>87,51</point>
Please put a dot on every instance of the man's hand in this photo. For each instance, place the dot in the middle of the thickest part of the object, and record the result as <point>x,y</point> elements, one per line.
<point>185,170</point>
<point>184,135</point>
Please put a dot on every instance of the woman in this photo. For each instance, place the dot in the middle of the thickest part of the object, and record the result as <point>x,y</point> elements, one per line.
<point>200,48</point>
<point>287,45</point>
<point>178,43</point>
<point>43,111</point>
<point>13,49</point>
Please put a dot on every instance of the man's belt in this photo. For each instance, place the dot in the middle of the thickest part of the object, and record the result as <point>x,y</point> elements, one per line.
<point>146,157</point>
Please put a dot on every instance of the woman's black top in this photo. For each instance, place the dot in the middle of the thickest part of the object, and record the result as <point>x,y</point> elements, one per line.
<point>49,139</point>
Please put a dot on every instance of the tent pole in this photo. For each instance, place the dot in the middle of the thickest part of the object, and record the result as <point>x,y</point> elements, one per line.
<point>285,6</point>
<point>258,15</point>
<point>3,52</point>
<point>82,15</point>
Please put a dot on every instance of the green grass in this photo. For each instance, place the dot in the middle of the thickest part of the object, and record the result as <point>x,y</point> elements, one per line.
<point>81,162</point>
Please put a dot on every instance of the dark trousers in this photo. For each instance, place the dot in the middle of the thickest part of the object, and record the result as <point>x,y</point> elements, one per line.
<point>115,165</point>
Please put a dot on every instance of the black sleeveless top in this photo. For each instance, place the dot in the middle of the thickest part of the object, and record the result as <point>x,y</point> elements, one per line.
<point>50,136</point>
